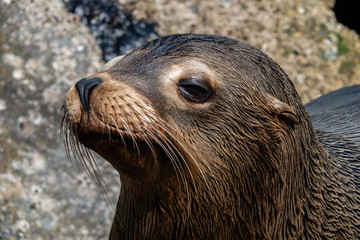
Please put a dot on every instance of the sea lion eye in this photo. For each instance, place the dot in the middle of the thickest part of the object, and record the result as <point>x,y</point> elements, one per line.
<point>194,90</point>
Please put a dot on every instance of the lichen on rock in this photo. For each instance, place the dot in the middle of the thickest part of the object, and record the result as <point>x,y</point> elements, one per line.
<point>43,51</point>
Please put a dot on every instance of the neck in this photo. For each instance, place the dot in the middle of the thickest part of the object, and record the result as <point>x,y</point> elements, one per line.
<point>169,213</point>
<point>305,201</point>
<point>284,201</point>
<point>280,199</point>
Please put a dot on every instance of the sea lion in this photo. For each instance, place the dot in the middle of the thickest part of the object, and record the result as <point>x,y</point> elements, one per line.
<point>212,141</point>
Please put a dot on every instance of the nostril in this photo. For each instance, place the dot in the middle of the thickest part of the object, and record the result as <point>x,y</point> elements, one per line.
<point>84,87</point>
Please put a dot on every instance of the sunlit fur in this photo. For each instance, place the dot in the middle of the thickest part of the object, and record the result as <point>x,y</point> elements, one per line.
<point>240,167</point>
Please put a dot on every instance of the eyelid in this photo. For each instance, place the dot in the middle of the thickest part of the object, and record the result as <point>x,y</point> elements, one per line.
<point>191,84</point>
<point>195,81</point>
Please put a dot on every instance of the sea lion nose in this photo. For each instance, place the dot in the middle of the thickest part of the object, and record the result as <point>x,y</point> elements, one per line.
<point>84,87</point>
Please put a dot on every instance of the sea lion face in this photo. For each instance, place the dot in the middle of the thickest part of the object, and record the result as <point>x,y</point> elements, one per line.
<point>183,108</point>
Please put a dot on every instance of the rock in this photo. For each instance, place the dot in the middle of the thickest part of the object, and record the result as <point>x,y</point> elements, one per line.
<point>43,51</point>
<point>116,31</point>
<point>346,12</point>
<point>319,54</point>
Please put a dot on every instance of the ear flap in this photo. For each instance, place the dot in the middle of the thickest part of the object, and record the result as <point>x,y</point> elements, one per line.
<point>283,111</point>
<point>111,63</point>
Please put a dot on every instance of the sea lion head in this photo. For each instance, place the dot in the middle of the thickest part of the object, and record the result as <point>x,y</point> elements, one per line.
<point>208,116</point>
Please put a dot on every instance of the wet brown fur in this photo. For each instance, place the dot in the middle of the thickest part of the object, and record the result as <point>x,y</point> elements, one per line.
<point>247,164</point>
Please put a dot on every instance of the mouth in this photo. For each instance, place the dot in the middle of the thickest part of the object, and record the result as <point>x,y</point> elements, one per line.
<point>137,150</point>
<point>129,153</point>
<point>124,136</point>
<point>130,142</point>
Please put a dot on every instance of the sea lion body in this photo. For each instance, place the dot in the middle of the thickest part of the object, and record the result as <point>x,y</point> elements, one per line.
<point>212,141</point>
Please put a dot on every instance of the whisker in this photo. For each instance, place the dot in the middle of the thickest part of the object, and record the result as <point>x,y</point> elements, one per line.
<point>96,171</point>
<point>178,141</point>
<point>128,129</point>
<point>169,152</point>
<point>172,156</point>
<point>145,137</point>
<point>104,122</point>
<point>168,148</point>
<point>118,129</point>
<point>81,155</point>
<point>65,135</point>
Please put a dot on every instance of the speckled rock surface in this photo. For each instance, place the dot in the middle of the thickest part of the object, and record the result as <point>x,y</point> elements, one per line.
<point>43,51</point>
<point>303,36</point>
